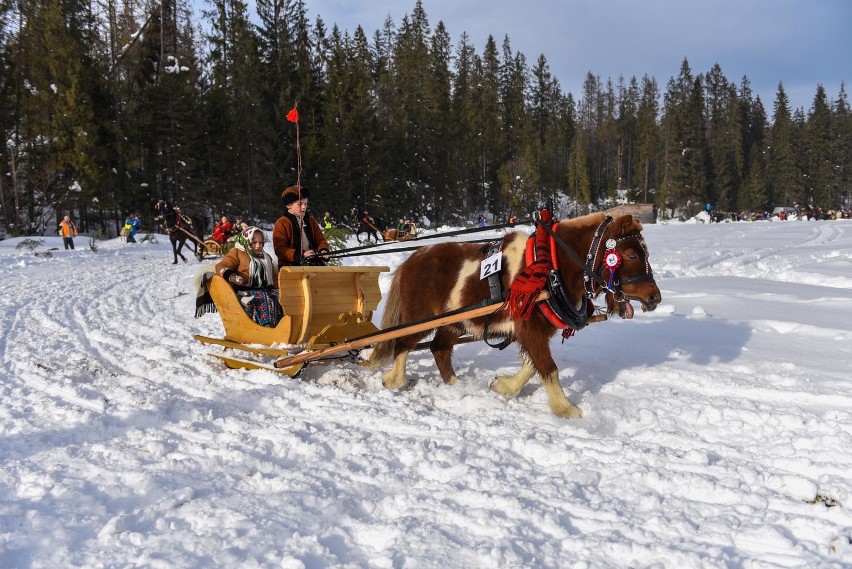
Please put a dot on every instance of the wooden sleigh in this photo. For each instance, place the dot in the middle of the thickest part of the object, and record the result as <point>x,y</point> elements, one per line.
<point>213,247</point>
<point>322,306</point>
<point>327,312</point>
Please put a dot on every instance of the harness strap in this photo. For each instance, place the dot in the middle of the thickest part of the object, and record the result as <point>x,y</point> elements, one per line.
<point>495,292</point>
<point>558,308</point>
<point>495,288</point>
<point>589,272</point>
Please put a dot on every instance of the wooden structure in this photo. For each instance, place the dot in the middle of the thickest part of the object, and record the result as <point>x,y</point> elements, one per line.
<point>322,306</point>
<point>327,311</point>
<point>644,212</point>
<point>213,247</point>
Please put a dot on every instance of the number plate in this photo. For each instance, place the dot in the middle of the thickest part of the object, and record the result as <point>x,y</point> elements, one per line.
<point>491,265</point>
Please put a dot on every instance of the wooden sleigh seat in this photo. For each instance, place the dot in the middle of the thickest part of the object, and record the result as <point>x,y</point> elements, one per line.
<point>322,305</point>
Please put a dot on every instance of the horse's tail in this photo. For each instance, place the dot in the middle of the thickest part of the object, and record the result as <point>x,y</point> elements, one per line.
<point>383,351</point>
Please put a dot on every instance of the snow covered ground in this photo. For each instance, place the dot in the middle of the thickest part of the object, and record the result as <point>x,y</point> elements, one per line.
<point>716,430</point>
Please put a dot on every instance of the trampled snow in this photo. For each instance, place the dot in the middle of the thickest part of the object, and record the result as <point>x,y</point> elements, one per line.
<point>716,430</point>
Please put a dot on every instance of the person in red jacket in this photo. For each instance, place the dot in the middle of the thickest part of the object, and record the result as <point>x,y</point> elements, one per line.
<point>223,230</point>
<point>297,237</point>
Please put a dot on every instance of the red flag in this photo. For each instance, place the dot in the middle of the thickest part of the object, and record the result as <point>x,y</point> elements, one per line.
<point>293,115</point>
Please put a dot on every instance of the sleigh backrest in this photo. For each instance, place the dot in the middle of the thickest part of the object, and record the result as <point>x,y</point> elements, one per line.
<point>316,296</point>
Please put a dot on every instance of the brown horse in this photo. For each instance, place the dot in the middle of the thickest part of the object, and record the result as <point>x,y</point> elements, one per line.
<point>587,256</point>
<point>180,228</point>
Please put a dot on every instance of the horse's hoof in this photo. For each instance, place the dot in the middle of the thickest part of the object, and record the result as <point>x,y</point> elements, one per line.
<point>390,381</point>
<point>569,411</point>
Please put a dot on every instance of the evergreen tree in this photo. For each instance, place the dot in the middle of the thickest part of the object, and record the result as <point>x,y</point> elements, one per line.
<point>350,124</point>
<point>589,122</point>
<point>784,173</point>
<point>821,181</point>
<point>462,131</point>
<point>577,176</point>
<point>842,147</point>
<point>412,115</point>
<point>754,196</point>
<point>442,197</point>
<point>487,122</point>
<point>547,138</point>
<point>727,151</point>
<point>673,190</point>
<point>54,120</point>
<point>239,134</point>
<point>627,103</point>
<point>723,171</point>
<point>648,151</point>
<point>687,156</point>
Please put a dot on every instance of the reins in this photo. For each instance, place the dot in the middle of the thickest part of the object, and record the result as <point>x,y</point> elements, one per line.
<point>371,249</point>
<point>356,251</point>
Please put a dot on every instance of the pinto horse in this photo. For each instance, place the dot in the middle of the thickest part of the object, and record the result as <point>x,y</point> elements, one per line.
<point>180,228</point>
<point>587,256</point>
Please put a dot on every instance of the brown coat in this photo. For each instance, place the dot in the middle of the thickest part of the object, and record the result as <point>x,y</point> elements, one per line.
<point>237,260</point>
<point>286,245</point>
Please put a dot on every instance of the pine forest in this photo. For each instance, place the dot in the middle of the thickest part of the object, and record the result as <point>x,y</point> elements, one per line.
<point>107,106</point>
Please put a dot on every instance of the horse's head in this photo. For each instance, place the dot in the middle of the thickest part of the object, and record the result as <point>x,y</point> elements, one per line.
<point>626,266</point>
<point>161,208</point>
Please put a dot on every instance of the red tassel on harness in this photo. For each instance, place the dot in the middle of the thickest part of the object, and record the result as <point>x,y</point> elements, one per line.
<point>532,280</point>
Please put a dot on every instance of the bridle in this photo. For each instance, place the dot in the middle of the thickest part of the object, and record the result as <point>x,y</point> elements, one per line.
<point>164,209</point>
<point>598,260</point>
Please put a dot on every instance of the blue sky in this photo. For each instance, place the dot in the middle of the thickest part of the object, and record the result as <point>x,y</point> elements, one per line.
<point>799,42</point>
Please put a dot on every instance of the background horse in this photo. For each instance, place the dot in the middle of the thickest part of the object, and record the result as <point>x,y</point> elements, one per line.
<point>190,227</point>
<point>444,277</point>
<point>372,227</point>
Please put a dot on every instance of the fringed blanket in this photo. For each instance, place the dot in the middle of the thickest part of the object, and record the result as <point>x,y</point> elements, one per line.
<point>524,289</point>
<point>262,305</point>
<point>203,300</point>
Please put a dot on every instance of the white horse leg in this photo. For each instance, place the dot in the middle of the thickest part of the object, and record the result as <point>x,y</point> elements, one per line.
<point>556,398</point>
<point>512,384</point>
<point>394,378</point>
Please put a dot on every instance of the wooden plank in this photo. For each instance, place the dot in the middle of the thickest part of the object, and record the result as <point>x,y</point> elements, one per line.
<point>224,342</point>
<point>242,363</point>
<point>430,324</point>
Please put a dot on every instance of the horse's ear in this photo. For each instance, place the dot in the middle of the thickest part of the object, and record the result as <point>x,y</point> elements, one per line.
<point>626,224</point>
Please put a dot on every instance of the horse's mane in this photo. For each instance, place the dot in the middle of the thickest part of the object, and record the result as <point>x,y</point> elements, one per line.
<point>621,225</point>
